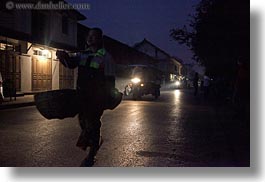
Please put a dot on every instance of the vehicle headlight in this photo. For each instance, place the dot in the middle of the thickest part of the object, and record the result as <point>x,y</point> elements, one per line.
<point>142,85</point>
<point>178,83</point>
<point>136,80</point>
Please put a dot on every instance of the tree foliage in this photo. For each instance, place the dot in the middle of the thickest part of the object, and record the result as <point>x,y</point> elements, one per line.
<point>218,34</point>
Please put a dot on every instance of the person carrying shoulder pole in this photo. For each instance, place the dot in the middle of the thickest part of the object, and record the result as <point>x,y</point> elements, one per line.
<point>96,77</point>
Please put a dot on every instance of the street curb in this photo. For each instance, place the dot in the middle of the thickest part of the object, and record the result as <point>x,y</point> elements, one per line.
<point>17,105</point>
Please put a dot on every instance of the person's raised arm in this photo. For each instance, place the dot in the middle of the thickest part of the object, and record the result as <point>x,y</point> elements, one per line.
<point>66,60</point>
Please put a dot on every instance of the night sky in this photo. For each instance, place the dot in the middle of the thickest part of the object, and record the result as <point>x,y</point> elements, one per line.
<point>130,21</point>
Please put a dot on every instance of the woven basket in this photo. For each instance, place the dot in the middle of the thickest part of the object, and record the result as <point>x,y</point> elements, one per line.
<point>57,104</point>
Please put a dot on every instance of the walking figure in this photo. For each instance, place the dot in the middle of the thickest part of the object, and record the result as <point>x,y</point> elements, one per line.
<point>96,77</point>
<point>206,86</point>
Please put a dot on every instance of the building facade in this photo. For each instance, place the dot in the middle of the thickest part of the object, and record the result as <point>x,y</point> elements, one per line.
<point>28,43</point>
<point>29,40</point>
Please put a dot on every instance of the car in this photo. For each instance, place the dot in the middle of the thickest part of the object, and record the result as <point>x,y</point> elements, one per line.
<point>145,80</point>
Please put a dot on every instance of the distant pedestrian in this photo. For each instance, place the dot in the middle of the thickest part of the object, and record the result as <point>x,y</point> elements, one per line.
<point>206,86</point>
<point>195,83</point>
<point>202,85</point>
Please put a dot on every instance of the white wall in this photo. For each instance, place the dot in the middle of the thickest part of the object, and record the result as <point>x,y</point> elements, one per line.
<point>26,76</point>
<point>55,75</point>
<point>55,71</point>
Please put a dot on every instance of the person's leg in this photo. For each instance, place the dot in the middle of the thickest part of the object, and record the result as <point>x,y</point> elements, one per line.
<point>95,134</point>
<point>92,134</point>
<point>84,140</point>
<point>85,122</point>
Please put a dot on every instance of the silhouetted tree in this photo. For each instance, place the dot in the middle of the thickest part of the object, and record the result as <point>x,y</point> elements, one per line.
<point>218,34</point>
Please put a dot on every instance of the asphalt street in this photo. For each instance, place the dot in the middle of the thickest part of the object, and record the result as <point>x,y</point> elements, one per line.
<point>176,130</point>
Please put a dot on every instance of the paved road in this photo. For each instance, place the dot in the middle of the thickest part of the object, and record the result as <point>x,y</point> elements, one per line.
<point>175,130</point>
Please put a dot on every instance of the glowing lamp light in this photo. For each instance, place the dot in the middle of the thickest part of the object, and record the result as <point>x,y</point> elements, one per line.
<point>178,83</point>
<point>42,54</point>
<point>136,80</point>
<point>45,52</point>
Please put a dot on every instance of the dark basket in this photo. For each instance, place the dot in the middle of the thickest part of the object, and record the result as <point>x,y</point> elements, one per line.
<point>114,100</point>
<point>57,104</point>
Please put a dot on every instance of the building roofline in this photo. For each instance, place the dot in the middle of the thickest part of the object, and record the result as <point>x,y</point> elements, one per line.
<point>129,47</point>
<point>7,32</point>
<point>147,41</point>
<point>177,59</point>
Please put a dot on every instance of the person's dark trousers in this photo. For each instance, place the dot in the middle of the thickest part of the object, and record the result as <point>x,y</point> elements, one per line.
<point>91,105</point>
<point>90,125</point>
<point>90,135</point>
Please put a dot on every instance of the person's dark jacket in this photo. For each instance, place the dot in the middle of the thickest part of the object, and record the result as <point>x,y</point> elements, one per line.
<point>96,73</point>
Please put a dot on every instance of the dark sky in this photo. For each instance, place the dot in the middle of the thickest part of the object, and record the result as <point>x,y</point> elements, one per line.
<point>130,21</point>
